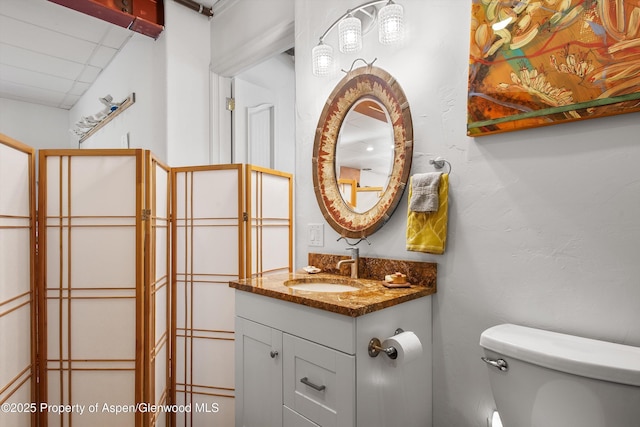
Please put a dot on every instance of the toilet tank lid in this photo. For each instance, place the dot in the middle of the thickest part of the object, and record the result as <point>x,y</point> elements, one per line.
<point>567,353</point>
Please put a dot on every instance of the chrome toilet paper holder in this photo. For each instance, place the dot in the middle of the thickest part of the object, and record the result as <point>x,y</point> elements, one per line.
<point>375,347</point>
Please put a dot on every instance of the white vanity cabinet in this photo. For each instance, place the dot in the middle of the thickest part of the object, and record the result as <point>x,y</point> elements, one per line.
<point>298,366</point>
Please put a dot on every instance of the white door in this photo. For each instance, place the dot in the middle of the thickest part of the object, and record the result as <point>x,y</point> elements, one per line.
<point>253,119</point>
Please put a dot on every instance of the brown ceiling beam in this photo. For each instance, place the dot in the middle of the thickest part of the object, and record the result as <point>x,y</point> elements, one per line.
<point>142,16</point>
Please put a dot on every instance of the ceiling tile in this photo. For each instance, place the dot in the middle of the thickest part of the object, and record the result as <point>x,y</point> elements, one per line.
<point>89,74</point>
<point>29,60</point>
<point>45,14</point>
<point>50,54</point>
<point>102,55</point>
<point>34,78</point>
<point>30,94</point>
<point>116,37</point>
<point>79,88</point>
<point>42,40</point>
<point>69,101</point>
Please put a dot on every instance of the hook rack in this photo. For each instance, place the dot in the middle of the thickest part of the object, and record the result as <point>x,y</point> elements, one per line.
<point>439,162</point>
<point>353,244</point>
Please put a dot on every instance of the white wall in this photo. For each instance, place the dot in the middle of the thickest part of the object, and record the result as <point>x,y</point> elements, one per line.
<point>35,125</point>
<point>139,68</point>
<point>187,86</point>
<point>246,32</point>
<point>543,226</point>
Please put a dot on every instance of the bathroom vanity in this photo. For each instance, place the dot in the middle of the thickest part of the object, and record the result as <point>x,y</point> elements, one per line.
<point>302,356</point>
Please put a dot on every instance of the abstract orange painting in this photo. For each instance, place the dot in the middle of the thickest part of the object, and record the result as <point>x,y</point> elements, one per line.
<point>542,62</point>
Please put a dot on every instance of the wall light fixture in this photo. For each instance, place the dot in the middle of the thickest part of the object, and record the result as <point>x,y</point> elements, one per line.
<point>390,30</point>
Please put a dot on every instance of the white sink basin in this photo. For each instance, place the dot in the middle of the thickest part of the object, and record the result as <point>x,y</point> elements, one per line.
<point>323,287</point>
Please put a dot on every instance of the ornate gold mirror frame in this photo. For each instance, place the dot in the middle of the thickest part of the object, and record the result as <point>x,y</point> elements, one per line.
<point>370,82</point>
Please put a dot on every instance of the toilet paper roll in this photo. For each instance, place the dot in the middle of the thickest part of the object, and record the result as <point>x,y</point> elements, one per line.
<point>407,344</point>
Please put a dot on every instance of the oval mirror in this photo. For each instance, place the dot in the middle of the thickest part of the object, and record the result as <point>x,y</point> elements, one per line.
<point>358,190</point>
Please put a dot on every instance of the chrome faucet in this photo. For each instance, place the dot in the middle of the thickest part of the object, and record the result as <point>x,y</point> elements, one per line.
<point>355,256</point>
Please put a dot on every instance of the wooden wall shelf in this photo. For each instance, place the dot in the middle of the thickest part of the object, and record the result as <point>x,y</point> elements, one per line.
<point>131,99</point>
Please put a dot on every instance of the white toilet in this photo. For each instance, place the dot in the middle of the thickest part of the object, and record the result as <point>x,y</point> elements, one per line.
<point>546,379</point>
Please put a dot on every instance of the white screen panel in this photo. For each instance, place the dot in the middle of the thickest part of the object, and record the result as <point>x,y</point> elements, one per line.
<point>213,411</point>
<point>115,388</point>
<point>215,194</point>
<point>160,313</point>
<point>161,373</point>
<point>213,362</point>
<point>274,239</point>
<point>16,280</point>
<point>15,258</point>
<point>91,278</point>
<point>161,236</point>
<point>275,196</point>
<point>181,354</point>
<point>103,185</point>
<point>14,169</point>
<point>103,257</point>
<point>56,181</point>
<point>217,250</point>
<point>104,328</point>
<point>220,294</point>
<point>15,343</point>
<point>206,254</point>
<point>16,419</point>
<point>161,194</point>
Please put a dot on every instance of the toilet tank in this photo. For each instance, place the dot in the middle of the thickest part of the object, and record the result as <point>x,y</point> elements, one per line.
<point>559,380</point>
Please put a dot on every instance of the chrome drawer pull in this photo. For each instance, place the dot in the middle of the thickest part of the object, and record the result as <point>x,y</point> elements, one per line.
<point>497,363</point>
<point>306,381</point>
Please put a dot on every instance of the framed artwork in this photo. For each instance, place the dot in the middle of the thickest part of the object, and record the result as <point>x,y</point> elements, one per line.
<point>542,62</point>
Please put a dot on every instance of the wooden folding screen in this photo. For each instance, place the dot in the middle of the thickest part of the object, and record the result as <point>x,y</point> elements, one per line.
<point>270,212</point>
<point>133,269</point>
<point>207,253</point>
<point>224,217</point>
<point>17,301</point>
<point>102,303</point>
<point>157,290</point>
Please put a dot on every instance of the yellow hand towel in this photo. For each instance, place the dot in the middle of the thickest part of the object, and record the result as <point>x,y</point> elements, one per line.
<point>427,231</point>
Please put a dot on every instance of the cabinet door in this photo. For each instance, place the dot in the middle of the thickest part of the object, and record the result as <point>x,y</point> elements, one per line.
<point>294,419</point>
<point>258,375</point>
<point>319,382</point>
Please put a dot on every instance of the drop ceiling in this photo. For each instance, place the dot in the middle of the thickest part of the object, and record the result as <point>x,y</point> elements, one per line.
<point>49,54</point>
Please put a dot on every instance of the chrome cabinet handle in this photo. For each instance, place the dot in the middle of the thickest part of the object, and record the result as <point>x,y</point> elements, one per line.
<point>500,364</point>
<point>306,381</point>
<point>273,354</point>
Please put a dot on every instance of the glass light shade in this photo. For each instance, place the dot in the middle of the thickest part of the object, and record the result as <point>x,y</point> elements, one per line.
<point>350,34</point>
<point>322,58</point>
<point>391,23</point>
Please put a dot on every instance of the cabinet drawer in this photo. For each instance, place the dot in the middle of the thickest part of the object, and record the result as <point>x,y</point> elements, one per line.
<point>319,382</point>
<point>293,419</point>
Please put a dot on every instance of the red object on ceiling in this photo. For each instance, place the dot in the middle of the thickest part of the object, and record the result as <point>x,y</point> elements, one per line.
<point>142,16</point>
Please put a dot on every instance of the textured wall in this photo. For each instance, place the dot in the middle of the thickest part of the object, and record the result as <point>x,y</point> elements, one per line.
<point>543,226</point>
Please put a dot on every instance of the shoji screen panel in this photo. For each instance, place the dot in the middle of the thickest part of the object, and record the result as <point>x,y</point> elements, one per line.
<point>91,288</point>
<point>17,348</point>
<point>270,208</point>
<point>207,241</point>
<point>157,291</point>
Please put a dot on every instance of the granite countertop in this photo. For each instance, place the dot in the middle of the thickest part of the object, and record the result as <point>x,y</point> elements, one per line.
<point>372,297</point>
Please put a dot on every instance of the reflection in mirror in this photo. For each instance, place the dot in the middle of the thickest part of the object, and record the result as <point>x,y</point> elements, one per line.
<point>364,154</point>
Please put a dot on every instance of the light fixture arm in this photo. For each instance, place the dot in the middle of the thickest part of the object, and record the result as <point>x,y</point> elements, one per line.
<point>369,64</point>
<point>350,11</point>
